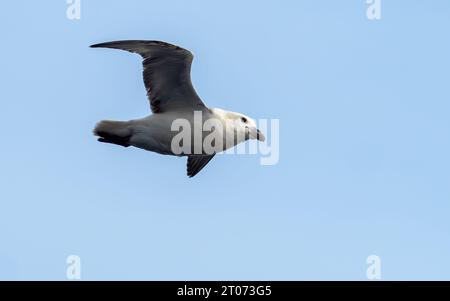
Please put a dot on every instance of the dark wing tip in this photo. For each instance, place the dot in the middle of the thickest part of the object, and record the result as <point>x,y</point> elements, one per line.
<point>114,44</point>
<point>139,44</point>
<point>196,163</point>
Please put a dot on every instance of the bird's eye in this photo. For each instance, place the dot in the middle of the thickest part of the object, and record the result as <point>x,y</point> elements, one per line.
<point>244,120</point>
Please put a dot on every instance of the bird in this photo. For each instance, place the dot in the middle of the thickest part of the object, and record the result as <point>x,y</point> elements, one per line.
<point>172,97</point>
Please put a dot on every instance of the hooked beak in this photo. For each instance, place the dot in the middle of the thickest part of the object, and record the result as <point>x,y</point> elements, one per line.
<point>257,134</point>
<point>260,136</point>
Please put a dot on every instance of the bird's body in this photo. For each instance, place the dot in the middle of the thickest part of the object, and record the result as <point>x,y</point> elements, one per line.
<point>152,133</point>
<point>173,99</point>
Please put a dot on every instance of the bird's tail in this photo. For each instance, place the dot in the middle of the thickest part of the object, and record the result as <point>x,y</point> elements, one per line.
<point>116,132</point>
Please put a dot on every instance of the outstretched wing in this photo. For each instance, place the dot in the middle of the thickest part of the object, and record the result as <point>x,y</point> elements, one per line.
<point>196,163</point>
<point>167,74</point>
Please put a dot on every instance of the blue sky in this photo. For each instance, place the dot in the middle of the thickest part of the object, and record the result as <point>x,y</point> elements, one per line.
<point>364,143</point>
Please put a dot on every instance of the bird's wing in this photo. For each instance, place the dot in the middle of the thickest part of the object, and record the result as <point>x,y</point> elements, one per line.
<point>196,163</point>
<point>167,74</point>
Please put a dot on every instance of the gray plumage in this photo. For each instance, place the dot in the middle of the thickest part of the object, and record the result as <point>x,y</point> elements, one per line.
<point>167,74</point>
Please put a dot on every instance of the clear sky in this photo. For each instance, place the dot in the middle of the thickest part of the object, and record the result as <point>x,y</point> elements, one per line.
<point>364,142</point>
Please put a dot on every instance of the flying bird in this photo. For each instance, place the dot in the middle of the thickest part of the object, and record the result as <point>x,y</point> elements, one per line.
<point>172,97</point>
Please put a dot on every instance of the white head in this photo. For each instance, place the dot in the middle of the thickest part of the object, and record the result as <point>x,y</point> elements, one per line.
<point>240,123</point>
